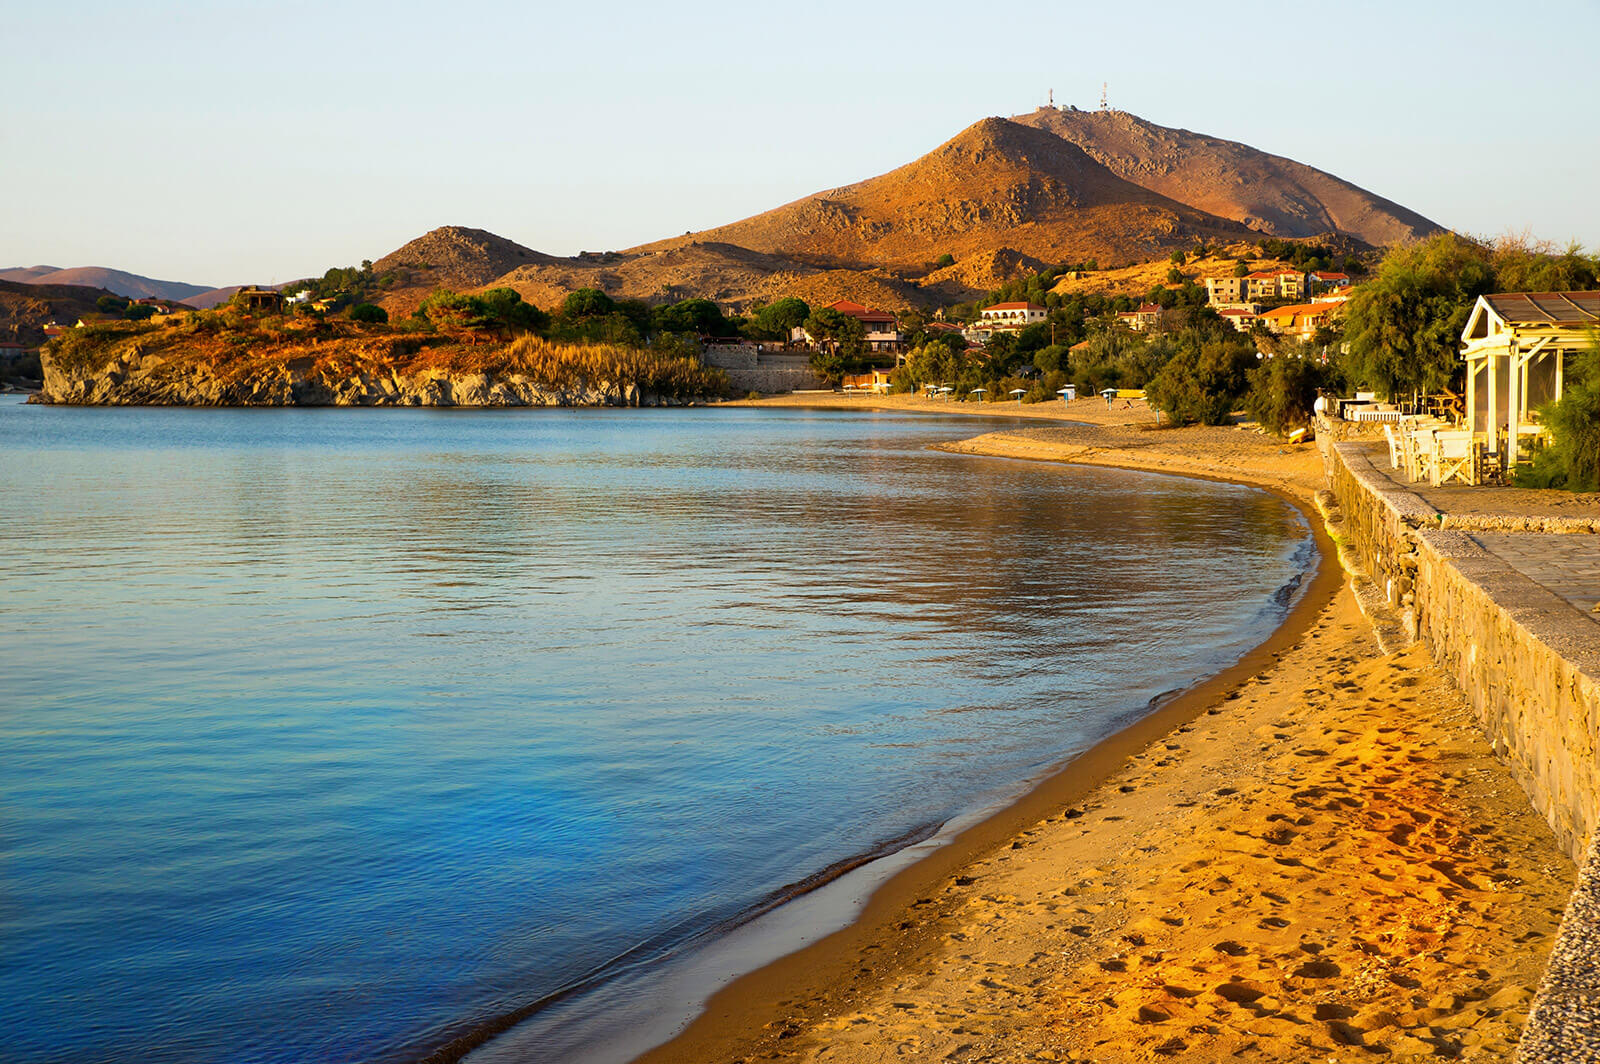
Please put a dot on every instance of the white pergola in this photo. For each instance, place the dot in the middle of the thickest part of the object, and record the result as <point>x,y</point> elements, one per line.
<point>1515,346</point>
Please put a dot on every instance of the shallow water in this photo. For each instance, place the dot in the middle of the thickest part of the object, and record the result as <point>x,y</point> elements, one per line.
<point>333,734</point>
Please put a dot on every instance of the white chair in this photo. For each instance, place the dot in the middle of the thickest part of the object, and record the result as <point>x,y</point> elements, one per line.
<point>1455,458</point>
<point>1396,448</point>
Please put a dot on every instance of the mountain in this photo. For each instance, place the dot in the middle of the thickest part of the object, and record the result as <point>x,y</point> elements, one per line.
<point>1003,197</point>
<point>997,184</point>
<point>1269,193</point>
<point>117,282</point>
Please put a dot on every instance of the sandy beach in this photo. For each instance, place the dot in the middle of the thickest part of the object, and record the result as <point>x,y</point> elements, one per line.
<point>1313,856</point>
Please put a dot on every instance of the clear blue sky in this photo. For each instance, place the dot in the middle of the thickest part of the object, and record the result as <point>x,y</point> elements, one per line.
<point>224,143</point>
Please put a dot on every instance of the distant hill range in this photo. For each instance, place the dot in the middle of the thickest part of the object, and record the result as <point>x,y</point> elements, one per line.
<point>1002,197</point>
<point>25,309</point>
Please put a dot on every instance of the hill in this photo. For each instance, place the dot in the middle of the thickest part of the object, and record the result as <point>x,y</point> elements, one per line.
<point>997,184</point>
<point>456,257</point>
<point>117,282</point>
<point>25,309</point>
<point>1268,193</point>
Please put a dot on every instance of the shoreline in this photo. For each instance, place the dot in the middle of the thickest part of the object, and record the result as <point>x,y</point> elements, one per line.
<point>756,1000</point>
<point>1460,883</point>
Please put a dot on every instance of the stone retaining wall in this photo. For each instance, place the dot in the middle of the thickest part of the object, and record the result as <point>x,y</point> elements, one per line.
<point>1529,665</point>
<point>752,370</point>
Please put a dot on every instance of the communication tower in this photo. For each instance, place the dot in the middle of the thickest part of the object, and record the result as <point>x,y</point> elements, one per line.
<point>1104,106</point>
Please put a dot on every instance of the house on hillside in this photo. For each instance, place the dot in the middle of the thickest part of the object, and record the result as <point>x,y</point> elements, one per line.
<point>1148,316</point>
<point>1326,281</point>
<point>1275,284</point>
<point>1515,346</point>
<point>882,332</point>
<point>1013,316</point>
<point>937,329</point>
<point>1300,319</point>
<point>268,300</point>
<point>1223,290</point>
<point>1239,317</point>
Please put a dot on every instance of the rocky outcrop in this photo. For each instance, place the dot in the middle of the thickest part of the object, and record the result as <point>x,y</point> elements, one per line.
<point>155,380</point>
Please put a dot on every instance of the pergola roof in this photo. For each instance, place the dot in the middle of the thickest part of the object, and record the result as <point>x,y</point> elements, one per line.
<point>1546,308</point>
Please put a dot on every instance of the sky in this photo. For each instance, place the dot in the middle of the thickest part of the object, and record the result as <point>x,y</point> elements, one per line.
<point>245,142</point>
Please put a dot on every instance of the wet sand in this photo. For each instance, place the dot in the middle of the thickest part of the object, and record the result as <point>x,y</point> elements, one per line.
<point>1312,856</point>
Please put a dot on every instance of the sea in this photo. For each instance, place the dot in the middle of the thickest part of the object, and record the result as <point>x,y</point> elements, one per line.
<point>349,735</point>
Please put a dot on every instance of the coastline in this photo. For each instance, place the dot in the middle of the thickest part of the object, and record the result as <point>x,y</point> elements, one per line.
<point>817,1003</point>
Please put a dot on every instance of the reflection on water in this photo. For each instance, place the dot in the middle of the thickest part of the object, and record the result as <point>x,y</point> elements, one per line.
<point>331,733</point>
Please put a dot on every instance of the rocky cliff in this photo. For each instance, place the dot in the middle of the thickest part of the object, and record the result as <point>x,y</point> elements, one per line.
<point>157,381</point>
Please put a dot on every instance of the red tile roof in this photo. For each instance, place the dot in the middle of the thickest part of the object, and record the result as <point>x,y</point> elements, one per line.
<point>1014,306</point>
<point>861,313</point>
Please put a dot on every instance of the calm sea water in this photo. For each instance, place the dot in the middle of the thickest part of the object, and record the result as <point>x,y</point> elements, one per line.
<point>329,735</point>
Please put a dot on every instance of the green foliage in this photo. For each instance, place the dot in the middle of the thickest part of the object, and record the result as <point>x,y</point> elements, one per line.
<point>111,304</point>
<point>139,312</point>
<point>1404,326</point>
<point>1175,275</point>
<point>698,316</point>
<point>1572,460</point>
<point>506,307</point>
<point>776,321</point>
<point>1283,390</point>
<point>944,260</point>
<point>587,303</point>
<point>369,314</point>
<point>450,310</point>
<point>1241,269</point>
<point>1202,382</point>
<point>1177,258</point>
<point>838,330</point>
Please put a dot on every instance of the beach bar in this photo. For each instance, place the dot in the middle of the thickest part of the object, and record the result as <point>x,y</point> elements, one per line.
<point>1515,347</point>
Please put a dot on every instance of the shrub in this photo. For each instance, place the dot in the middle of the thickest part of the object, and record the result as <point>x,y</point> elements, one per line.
<point>1202,382</point>
<point>1283,391</point>
<point>944,260</point>
<point>369,314</point>
<point>1572,461</point>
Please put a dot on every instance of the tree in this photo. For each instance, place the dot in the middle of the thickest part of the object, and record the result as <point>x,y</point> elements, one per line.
<point>829,326</point>
<point>1202,382</point>
<point>110,304</point>
<point>369,314</point>
<point>1175,275</point>
<point>944,260</point>
<point>777,321</point>
<point>587,303</point>
<point>1283,391</point>
<point>1241,269</point>
<point>1404,326</point>
<point>139,311</point>
<point>449,310</point>
<point>1177,258</point>
<point>699,316</point>
<point>506,307</point>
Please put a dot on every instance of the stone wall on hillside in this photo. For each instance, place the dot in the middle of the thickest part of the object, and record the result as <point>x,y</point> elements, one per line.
<point>753,368</point>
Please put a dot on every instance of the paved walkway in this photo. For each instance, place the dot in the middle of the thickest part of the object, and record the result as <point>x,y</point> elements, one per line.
<point>1568,565</point>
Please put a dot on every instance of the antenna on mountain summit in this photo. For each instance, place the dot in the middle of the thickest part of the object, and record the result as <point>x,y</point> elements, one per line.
<point>1052,102</point>
<point>1103,105</point>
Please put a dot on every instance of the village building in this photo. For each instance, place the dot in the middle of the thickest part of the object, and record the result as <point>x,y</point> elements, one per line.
<point>1148,316</point>
<point>1224,290</point>
<point>1241,318</point>
<point>881,331</point>
<point>874,380</point>
<point>1301,320</point>
<point>1009,316</point>
<point>259,299</point>
<point>1323,280</point>
<point>1275,284</point>
<point>1515,346</point>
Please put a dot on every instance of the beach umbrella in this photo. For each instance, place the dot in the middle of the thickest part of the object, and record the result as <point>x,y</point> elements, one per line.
<point>1019,393</point>
<point>978,391</point>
